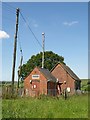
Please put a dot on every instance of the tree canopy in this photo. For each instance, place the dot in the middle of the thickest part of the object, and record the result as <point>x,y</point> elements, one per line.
<point>36,60</point>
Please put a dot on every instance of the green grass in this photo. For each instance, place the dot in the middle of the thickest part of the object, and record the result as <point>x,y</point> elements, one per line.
<point>0,109</point>
<point>46,107</point>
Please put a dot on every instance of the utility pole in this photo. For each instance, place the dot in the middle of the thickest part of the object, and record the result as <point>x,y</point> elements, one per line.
<point>20,68</point>
<point>15,48</point>
<point>43,47</point>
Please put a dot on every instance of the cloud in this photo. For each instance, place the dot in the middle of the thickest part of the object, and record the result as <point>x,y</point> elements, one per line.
<point>3,35</point>
<point>70,23</point>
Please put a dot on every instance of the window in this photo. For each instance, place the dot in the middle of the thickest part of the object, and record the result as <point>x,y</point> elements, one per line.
<point>35,76</point>
<point>68,89</point>
<point>30,81</point>
<point>34,86</point>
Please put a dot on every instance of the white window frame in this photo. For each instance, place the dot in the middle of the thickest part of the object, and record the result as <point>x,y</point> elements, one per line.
<point>68,89</point>
<point>34,86</point>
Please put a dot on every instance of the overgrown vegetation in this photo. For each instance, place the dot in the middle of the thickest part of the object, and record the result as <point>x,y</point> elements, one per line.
<point>84,85</point>
<point>46,107</point>
<point>75,106</point>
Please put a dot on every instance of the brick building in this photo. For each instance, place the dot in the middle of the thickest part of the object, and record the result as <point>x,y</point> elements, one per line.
<point>66,78</point>
<point>54,82</point>
<point>40,81</point>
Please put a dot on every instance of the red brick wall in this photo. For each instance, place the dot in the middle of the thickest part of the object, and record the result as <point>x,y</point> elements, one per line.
<point>62,76</point>
<point>41,83</point>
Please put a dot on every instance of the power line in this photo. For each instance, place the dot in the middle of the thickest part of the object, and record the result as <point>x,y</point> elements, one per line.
<point>9,6</point>
<point>13,8</point>
<point>31,30</point>
<point>19,43</point>
<point>8,10</point>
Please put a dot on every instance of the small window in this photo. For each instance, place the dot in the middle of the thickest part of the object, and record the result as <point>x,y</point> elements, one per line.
<point>68,89</point>
<point>30,81</point>
<point>34,86</point>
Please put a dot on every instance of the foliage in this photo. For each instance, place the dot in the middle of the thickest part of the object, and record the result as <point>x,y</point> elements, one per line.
<point>36,60</point>
<point>84,85</point>
<point>46,107</point>
<point>88,82</point>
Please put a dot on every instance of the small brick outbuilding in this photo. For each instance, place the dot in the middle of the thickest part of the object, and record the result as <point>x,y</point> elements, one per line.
<point>66,79</point>
<point>40,81</point>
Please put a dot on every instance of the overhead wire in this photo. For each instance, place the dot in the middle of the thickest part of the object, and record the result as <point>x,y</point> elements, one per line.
<point>21,60</point>
<point>8,5</point>
<point>13,9</point>
<point>6,8</point>
<point>19,43</point>
<point>30,29</point>
<point>9,11</point>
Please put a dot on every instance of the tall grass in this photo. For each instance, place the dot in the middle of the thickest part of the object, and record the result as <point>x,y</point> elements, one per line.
<point>46,107</point>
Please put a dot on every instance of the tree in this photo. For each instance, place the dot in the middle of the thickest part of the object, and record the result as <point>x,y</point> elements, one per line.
<point>36,60</point>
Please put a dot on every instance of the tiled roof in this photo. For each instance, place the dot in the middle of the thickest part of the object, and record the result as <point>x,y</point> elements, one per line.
<point>47,74</point>
<point>68,70</point>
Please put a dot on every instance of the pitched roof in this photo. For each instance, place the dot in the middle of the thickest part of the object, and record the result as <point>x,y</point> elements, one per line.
<point>68,70</point>
<point>47,74</point>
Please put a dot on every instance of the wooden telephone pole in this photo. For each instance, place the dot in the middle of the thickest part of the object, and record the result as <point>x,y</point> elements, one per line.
<point>15,48</point>
<point>43,47</point>
<point>20,68</point>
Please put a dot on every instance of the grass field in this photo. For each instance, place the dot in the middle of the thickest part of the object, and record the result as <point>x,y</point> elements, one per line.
<point>46,107</point>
